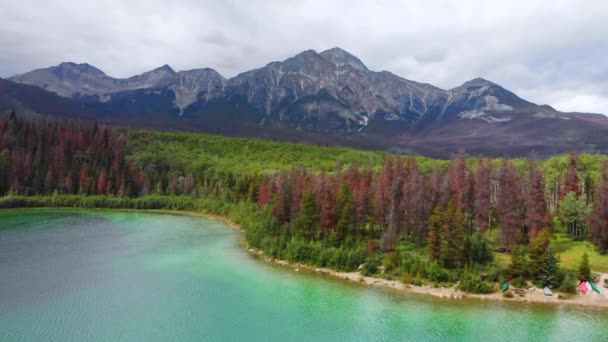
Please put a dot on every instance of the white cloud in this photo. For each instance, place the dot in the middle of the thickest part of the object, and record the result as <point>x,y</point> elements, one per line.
<point>543,50</point>
<point>572,99</point>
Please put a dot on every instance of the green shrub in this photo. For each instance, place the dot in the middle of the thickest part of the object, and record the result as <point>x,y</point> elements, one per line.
<point>391,262</point>
<point>411,264</point>
<point>519,282</point>
<point>413,280</point>
<point>438,274</point>
<point>471,281</point>
<point>326,255</point>
<point>569,284</point>
<point>370,267</point>
<point>480,249</point>
<point>302,251</point>
<point>344,259</point>
<point>507,294</point>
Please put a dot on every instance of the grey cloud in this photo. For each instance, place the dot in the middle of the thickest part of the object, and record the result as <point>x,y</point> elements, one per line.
<point>427,57</point>
<point>216,38</point>
<point>546,51</point>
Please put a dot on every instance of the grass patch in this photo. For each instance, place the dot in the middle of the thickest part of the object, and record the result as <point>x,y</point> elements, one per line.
<point>570,253</point>
<point>502,259</point>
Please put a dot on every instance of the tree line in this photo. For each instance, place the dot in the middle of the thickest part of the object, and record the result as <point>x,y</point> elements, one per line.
<point>401,201</point>
<point>444,207</point>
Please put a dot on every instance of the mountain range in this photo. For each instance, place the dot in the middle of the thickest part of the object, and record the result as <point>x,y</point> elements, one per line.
<point>329,97</point>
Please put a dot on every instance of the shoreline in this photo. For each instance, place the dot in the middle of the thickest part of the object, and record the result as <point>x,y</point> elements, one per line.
<point>221,218</point>
<point>531,295</point>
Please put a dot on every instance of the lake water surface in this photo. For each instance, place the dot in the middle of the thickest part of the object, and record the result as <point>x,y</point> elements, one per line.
<point>70,275</point>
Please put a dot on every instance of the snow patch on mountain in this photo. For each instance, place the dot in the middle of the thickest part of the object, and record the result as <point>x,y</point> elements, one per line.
<point>545,115</point>
<point>104,98</point>
<point>492,104</point>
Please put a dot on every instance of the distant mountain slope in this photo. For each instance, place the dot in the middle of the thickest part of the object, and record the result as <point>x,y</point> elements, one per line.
<point>76,80</point>
<point>33,101</point>
<point>327,98</point>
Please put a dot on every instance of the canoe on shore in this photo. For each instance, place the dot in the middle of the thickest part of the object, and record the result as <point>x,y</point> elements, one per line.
<point>505,286</point>
<point>594,287</point>
<point>583,287</point>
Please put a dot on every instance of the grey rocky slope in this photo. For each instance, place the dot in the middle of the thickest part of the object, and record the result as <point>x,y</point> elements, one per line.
<point>332,86</point>
<point>334,98</point>
<point>74,80</point>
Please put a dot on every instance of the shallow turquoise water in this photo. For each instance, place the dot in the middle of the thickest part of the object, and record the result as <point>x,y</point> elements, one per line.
<point>122,276</point>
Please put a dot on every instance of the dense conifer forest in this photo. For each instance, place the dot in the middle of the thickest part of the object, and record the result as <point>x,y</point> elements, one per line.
<point>409,218</point>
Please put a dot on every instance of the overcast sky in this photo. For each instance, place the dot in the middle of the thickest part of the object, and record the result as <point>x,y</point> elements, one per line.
<point>546,51</point>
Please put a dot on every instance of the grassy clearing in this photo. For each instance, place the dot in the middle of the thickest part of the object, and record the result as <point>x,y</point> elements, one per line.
<point>502,259</point>
<point>570,253</point>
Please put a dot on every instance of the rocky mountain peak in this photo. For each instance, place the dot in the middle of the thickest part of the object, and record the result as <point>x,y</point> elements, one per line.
<point>340,57</point>
<point>484,100</point>
<point>330,91</point>
<point>82,68</point>
<point>322,96</point>
<point>200,72</point>
<point>478,82</point>
<point>165,69</point>
<point>308,61</point>
<point>192,85</point>
<point>158,73</point>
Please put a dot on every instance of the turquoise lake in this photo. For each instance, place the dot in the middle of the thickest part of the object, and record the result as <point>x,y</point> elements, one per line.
<point>71,275</point>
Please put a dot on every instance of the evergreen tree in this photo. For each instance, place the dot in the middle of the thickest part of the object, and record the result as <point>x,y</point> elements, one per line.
<point>537,252</point>
<point>344,208</point>
<point>480,249</point>
<point>548,273</point>
<point>452,237</point>
<point>307,225</point>
<point>519,263</point>
<point>436,223</point>
<point>584,271</point>
<point>282,200</point>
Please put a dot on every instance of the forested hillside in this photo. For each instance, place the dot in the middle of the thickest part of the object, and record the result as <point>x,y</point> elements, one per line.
<point>409,217</point>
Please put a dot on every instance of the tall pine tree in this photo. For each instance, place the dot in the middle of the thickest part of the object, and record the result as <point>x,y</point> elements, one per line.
<point>307,225</point>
